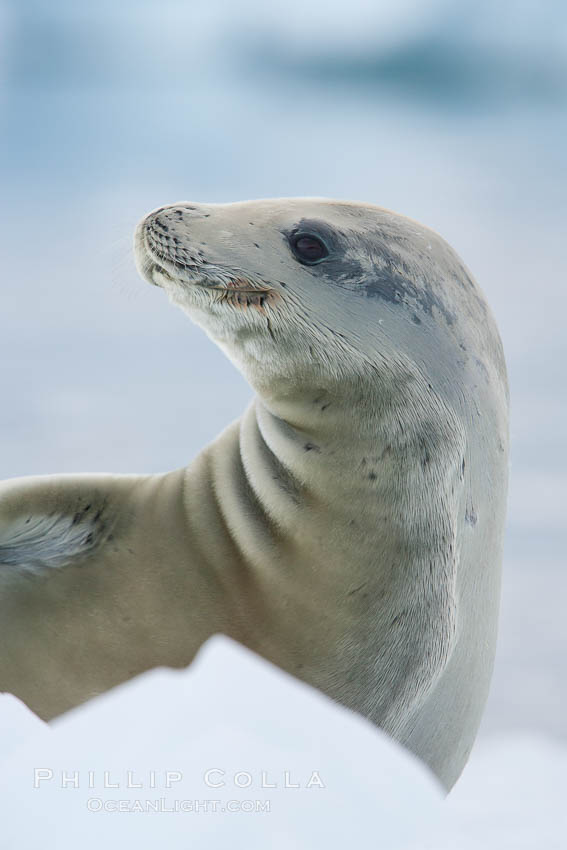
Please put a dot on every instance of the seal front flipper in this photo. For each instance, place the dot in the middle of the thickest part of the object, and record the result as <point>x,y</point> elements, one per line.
<point>97,578</point>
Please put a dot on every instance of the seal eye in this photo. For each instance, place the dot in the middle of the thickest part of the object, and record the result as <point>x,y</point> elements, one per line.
<point>308,248</point>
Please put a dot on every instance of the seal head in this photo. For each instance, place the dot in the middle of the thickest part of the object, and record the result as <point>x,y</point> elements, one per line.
<point>334,288</point>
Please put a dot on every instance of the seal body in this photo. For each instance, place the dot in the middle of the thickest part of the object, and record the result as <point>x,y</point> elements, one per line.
<point>348,527</point>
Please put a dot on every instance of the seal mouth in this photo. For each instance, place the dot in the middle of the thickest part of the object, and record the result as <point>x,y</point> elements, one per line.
<point>195,276</point>
<point>234,286</point>
<point>238,286</point>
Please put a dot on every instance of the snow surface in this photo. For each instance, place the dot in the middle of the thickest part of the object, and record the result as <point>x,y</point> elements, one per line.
<point>232,731</point>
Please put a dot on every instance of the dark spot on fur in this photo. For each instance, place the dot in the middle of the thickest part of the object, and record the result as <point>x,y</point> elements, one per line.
<point>311,447</point>
<point>416,320</point>
<point>471,517</point>
<point>425,456</point>
<point>482,368</point>
<point>356,589</point>
<point>325,406</point>
<point>88,539</point>
<point>372,476</point>
<point>398,617</point>
<point>256,245</point>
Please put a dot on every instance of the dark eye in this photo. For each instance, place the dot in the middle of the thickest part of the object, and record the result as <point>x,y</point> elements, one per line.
<point>308,248</point>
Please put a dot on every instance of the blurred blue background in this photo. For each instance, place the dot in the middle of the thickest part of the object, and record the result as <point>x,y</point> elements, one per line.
<point>453,113</point>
